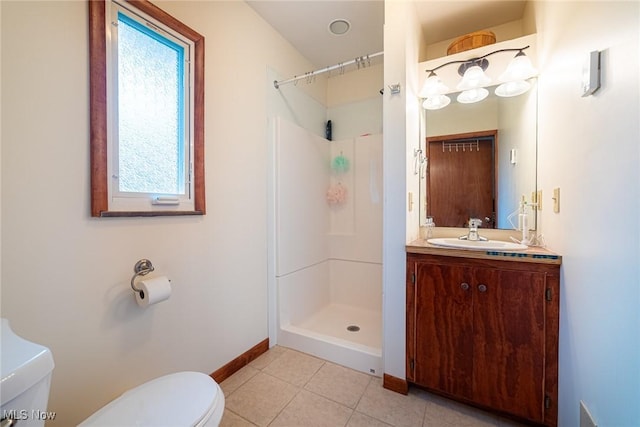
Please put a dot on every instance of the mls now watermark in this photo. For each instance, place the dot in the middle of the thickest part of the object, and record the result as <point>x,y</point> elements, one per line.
<point>23,414</point>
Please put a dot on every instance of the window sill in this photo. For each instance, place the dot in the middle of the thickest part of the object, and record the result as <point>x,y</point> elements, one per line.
<point>114,214</point>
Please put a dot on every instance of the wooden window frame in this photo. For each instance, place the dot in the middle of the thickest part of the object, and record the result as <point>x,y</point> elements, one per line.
<point>98,110</point>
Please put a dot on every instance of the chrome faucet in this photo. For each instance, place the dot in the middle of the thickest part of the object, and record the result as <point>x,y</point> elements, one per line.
<point>473,234</point>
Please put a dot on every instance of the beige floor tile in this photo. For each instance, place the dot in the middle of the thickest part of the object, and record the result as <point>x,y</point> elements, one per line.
<point>284,387</point>
<point>362,420</point>
<point>294,367</point>
<point>230,419</point>
<point>232,383</point>
<point>448,413</point>
<point>261,399</point>
<point>391,407</point>
<point>310,410</point>
<point>267,357</point>
<point>340,384</point>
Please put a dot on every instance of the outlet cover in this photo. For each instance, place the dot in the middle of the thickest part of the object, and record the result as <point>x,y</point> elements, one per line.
<point>586,420</point>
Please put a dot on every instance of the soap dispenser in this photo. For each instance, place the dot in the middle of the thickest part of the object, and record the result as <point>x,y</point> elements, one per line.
<point>429,225</point>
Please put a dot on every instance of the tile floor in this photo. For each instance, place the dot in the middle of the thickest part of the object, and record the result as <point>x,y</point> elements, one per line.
<point>284,387</point>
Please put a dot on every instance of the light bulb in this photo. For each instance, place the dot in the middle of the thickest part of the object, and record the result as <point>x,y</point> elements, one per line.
<point>520,68</point>
<point>473,77</point>
<point>436,102</point>
<point>433,86</point>
<point>472,95</point>
<point>514,88</point>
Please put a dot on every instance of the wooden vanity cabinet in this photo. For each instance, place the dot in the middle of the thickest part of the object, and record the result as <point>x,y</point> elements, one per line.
<point>485,332</point>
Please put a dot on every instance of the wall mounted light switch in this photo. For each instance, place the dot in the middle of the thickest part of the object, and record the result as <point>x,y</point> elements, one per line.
<point>556,200</point>
<point>539,200</point>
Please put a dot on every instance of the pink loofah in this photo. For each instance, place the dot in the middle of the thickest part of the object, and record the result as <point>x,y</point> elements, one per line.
<point>336,194</point>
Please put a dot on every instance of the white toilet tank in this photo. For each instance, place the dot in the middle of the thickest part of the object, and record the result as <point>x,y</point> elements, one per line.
<point>183,399</point>
<point>26,377</point>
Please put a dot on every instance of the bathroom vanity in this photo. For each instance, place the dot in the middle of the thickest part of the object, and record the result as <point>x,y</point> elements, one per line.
<point>482,328</point>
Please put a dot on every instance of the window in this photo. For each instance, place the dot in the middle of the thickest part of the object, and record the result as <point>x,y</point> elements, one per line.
<point>147,121</point>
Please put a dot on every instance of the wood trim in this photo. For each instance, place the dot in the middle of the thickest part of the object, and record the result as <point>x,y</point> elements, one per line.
<point>395,384</point>
<point>411,321</point>
<point>198,128</point>
<point>98,109</point>
<point>241,361</point>
<point>127,214</point>
<point>478,134</point>
<point>552,327</point>
<point>168,20</point>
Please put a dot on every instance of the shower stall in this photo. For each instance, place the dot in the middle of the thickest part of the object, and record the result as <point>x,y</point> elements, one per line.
<point>327,229</point>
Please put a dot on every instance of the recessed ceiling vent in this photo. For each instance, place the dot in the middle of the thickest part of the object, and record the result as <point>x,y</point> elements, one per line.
<point>339,27</point>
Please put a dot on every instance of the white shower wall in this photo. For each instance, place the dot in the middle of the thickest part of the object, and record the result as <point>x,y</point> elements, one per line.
<point>328,257</point>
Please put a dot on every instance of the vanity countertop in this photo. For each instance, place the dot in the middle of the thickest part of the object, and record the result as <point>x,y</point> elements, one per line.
<point>533,254</point>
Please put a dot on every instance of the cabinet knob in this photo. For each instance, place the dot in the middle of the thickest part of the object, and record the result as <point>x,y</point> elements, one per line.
<point>482,288</point>
<point>464,286</point>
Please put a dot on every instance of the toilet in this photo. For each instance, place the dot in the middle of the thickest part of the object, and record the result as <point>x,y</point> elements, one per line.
<point>26,370</point>
<point>180,399</point>
<point>185,399</point>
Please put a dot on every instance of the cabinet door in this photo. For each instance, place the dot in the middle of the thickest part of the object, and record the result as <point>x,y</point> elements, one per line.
<point>443,328</point>
<point>509,341</point>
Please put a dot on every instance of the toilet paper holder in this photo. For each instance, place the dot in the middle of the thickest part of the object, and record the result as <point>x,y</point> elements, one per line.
<point>142,268</point>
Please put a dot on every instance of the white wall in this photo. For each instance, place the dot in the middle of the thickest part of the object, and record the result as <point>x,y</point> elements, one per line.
<point>302,214</point>
<point>401,127</point>
<point>354,103</point>
<point>588,147</point>
<point>65,276</point>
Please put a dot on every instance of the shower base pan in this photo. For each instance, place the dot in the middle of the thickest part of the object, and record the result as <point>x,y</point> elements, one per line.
<point>346,335</point>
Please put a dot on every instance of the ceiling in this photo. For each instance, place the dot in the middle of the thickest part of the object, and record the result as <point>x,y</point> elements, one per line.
<point>304,23</point>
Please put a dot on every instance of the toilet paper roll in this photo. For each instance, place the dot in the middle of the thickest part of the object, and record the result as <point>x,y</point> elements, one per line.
<point>153,290</point>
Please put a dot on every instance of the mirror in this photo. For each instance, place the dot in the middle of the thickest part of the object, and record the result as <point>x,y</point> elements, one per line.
<point>501,130</point>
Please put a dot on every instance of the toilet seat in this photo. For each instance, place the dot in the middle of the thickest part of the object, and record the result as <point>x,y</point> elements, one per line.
<point>180,399</point>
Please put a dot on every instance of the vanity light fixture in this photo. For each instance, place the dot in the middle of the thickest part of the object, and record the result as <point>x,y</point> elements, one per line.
<point>474,80</point>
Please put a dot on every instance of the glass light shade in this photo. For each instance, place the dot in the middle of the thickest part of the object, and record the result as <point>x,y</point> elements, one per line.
<point>472,95</point>
<point>520,68</point>
<point>473,77</point>
<point>436,102</point>
<point>515,88</point>
<point>433,86</point>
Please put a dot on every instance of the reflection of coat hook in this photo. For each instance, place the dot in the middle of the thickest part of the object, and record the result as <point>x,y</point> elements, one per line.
<point>395,89</point>
<point>419,160</point>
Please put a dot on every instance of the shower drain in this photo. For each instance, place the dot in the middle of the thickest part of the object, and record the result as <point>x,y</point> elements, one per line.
<point>353,328</point>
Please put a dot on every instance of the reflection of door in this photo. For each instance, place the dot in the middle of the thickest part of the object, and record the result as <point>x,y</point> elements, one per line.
<point>461,178</point>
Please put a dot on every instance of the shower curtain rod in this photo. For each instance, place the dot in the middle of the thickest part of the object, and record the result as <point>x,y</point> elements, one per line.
<point>359,60</point>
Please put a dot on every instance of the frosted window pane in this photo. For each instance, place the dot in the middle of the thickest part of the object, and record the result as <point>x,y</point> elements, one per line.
<point>150,122</point>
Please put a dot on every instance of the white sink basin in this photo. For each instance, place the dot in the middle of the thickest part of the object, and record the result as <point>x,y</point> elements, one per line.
<point>478,245</point>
